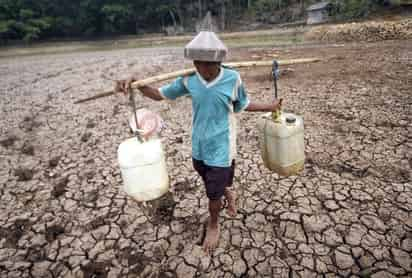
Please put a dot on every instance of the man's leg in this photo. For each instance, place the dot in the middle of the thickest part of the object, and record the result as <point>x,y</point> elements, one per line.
<point>215,179</point>
<point>213,229</point>
<point>230,196</point>
<point>230,193</point>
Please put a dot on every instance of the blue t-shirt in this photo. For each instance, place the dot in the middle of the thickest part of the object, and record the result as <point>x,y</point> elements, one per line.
<point>214,104</point>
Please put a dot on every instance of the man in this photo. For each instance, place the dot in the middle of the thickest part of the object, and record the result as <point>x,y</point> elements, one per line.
<point>217,94</point>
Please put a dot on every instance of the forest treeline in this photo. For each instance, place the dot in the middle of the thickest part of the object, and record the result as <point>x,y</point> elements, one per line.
<point>31,20</point>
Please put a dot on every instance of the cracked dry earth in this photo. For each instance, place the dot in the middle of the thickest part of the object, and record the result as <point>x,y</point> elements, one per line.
<point>348,214</point>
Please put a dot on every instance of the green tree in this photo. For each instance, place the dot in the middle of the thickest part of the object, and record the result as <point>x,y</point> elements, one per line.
<point>30,20</point>
<point>117,17</point>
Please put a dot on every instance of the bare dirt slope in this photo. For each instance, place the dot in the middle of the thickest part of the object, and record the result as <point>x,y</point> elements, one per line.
<point>63,213</point>
<point>363,31</point>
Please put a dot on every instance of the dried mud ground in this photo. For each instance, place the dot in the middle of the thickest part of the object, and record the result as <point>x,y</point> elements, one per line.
<point>348,214</point>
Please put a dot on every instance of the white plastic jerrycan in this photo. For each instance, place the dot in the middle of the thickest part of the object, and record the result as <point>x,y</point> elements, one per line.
<point>282,143</point>
<point>143,168</point>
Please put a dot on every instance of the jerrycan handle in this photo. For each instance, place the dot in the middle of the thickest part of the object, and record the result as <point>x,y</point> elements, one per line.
<point>275,75</point>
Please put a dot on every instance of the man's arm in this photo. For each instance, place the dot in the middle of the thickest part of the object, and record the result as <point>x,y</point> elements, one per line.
<point>151,92</point>
<point>148,91</point>
<point>264,107</point>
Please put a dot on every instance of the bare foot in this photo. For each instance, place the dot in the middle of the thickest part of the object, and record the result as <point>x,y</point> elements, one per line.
<point>231,202</point>
<point>212,238</point>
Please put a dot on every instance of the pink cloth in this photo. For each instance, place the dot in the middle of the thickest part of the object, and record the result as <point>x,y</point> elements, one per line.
<point>148,123</point>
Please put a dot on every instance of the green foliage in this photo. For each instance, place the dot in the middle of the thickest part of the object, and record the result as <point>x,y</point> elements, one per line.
<point>350,9</point>
<point>30,32</point>
<point>262,6</point>
<point>26,14</point>
<point>116,17</point>
<point>43,23</point>
<point>31,20</point>
<point>6,26</point>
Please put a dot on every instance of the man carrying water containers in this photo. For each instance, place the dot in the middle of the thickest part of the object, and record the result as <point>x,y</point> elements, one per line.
<point>217,94</point>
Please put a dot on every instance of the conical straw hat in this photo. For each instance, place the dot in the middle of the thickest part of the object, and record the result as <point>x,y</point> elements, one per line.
<point>206,46</point>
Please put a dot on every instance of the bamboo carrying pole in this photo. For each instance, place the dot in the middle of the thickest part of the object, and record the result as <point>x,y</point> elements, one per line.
<point>185,72</point>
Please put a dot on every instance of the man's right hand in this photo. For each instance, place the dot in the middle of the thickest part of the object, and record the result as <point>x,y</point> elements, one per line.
<point>124,85</point>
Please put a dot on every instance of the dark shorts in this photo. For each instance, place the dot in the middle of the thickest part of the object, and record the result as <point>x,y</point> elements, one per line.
<point>216,179</point>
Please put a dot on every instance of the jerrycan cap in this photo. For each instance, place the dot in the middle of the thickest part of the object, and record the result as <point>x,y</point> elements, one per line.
<point>290,120</point>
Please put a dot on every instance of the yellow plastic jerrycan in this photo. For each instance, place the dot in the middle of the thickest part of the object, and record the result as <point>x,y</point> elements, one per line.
<point>143,168</point>
<point>282,142</point>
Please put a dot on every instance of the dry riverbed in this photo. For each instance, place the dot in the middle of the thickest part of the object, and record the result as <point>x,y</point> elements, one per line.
<point>348,214</point>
